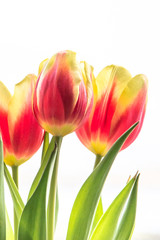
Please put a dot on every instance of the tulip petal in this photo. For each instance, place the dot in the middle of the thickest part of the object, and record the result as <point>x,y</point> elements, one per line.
<point>22,123</point>
<point>130,108</point>
<point>88,77</point>
<point>110,76</point>
<point>5,97</point>
<point>85,98</point>
<point>110,82</point>
<point>42,65</point>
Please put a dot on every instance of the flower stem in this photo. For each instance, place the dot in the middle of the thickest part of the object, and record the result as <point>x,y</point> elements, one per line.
<point>45,145</point>
<point>97,161</point>
<point>15,178</point>
<point>51,211</point>
<point>99,209</point>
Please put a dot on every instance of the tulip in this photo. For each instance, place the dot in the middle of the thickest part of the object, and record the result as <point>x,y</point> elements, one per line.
<point>21,134</point>
<point>119,102</point>
<point>63,95</point>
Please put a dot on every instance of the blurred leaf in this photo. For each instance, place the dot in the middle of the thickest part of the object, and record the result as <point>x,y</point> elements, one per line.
<point>87,199</point>
<point>42,168</point>
<point>33,220</point>
<point>9,230</point>
<point>118,221</point>
<point>17,200</point>
<point>2,201</point>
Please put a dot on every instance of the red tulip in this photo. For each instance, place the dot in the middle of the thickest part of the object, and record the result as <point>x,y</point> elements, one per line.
<point>63,95</point>
<point>119,102</point>
<point>21,134</point>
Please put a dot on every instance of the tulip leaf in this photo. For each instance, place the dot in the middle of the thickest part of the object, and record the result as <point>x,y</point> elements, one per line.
<point>2,201</point>
<point>32,224</point>
<point>52,208</point>
<point>45,145</point>
<point>118,221</point>
<point>87,199</point>
<point>99,209</point>
<point>42,168</point>
<point>56,208</point>
<point>9,230</point>
<point>98,214</point>
<point>17,200</point>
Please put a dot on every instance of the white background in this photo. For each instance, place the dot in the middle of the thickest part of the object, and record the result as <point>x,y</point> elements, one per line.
<point>106,32</point>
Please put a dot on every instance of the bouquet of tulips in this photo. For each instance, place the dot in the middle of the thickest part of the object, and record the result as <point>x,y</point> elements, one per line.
<point>106,112</point>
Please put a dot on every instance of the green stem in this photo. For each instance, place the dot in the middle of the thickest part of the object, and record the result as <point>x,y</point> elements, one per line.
<point>42,168</point>
<point>15,178</point>
<point>97,161</point>
<point>51,214</point>
<point>45,145</point>
<point>99,209</point>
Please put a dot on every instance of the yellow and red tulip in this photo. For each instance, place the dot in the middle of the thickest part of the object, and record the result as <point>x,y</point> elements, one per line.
<point>63,95</point>
<point>21,134</point>
<point>119,102</point>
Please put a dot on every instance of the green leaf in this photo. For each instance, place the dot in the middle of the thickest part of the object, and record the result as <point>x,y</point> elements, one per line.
<point>99,209</point>
<point>45,145</point>
<point>9,230</point>
<point>87,199</point>
<point>98,214</point>
<point>33,220</point>
<point>56,208</point>
<point>127,223</point>
<point>42,168</point>
<point>118,221</point>
<point>17,200</point>
<point>2,201</point>
<point>52,209</point>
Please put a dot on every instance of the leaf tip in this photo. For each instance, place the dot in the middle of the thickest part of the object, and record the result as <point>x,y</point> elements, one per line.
<point>136,177</point>
<point>134,125</point>
<point>129,178</point>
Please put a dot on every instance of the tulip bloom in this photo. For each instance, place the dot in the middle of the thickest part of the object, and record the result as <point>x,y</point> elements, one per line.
<point>63,95</point>
<point>119,102</point>
<point>21,134</point>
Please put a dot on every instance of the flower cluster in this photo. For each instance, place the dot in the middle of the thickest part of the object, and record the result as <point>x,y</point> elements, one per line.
<point>107,114</point>
<point>67,97</point>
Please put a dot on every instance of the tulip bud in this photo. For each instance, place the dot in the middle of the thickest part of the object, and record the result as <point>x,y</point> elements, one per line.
<point>63,95</point>
<point>119,102</point>
<point>21,134</point>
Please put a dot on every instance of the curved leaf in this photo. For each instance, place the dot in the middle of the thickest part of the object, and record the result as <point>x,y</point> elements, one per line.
<point>17,200</point>
<point>98,215</point>
<point>42,168</point>
<point>45,145</point>
<point>52,209</point>
<point>118,221</point>
<point>87,199</point>
<point>2,201</point>
<point>9,230</point>
<point>33,220</point>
